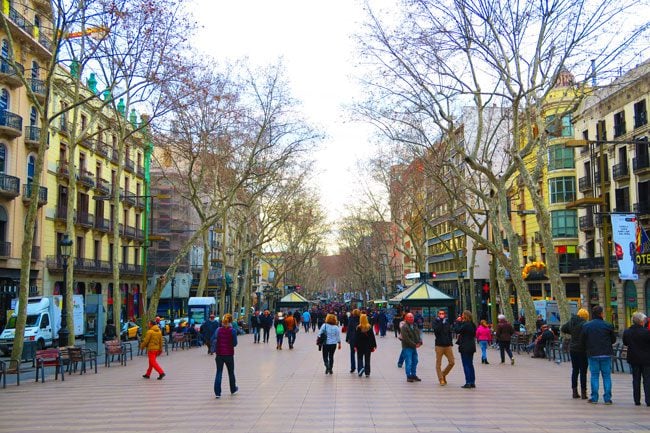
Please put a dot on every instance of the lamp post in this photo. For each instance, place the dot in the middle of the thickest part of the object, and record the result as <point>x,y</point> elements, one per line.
<point>65,250</point>
<point>172,298</point>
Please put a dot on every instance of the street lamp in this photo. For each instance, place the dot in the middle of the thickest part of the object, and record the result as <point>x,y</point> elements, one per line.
<point>65,250</point>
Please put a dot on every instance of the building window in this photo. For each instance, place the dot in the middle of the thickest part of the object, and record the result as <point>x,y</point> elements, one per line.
<point>640,114</point>
<point>622,198</point>
<point>4,99</point>
<point>560,157</point>
<point>3,158</point>
<point>564,224</point>
<point>31,167</point>
<point>601,131</point>
<point>619,124</point>
<point>562,189</point>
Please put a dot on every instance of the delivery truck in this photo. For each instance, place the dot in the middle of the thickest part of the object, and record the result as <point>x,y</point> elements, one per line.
<point>43,322</point>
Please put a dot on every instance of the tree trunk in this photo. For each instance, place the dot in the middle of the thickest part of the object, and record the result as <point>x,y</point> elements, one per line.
<point>205,269</point>
<point>27,246</point>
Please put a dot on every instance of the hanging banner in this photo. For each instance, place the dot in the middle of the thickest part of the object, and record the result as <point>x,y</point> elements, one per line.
<point>642,247</point>
<point>624,235</point>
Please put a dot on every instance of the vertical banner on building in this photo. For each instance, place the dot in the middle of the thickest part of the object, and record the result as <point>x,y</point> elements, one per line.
<point>624,235</point>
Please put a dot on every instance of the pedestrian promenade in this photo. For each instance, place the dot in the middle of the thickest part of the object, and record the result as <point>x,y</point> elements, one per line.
<point>287,391</point>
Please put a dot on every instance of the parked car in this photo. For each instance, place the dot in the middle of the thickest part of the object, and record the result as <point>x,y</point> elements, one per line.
<point>130,331</point>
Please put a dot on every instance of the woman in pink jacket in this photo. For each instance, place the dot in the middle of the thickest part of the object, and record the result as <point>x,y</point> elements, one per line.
<point>484,337</point>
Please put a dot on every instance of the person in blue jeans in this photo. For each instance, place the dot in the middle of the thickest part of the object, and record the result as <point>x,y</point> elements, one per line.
<point>411,342</point>
<point>467,348</point>
<point>224,341</point>
<point>597,339</point>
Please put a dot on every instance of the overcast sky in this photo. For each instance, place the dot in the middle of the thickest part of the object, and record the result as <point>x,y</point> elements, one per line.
<point>314,40</point>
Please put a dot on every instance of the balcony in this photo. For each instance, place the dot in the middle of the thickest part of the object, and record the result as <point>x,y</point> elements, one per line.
<point>9,186</point>
<point>5,249</point>
<point>84,219</point>
<point>586,222</point>
<point>139,234</point>
<point>102,225</point>
<point>102,149</point>
<point>641,164</point>
<point>129,232</point>
<point>642,208</point>
<point>33,138</point>
<point>114,155</point>
<point>103,186</point>
<point>9,75</point>
<point>140,171</point>
<point>62,169</point>
<point>130,269</point>
<point>88,143</point>
<point>21,21</point>
<point>591,264</point>
<point>81,265</point>
<point>61,213</point>
<point>584,184</point>
<point>621,171</point>
<point>27,194</point>
<point>36,253</point>
<point>45,42</point>
<point>38,88</point>
<point>597,177</point>
<point>129,165</point>
<point>86,178</point>
<point>599,220</point>
<point>140,202</point>
<point>11,124</point>
<point>129,199</point>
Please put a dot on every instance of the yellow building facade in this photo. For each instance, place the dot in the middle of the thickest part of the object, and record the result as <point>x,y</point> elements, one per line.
<point>19,137</point>
<point>558,188</point>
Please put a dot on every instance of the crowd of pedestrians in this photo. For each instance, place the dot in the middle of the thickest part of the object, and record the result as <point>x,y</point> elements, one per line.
<point>590,344</point>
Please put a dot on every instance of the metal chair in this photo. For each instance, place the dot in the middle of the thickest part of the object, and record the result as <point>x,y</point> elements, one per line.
<point>9,367</point>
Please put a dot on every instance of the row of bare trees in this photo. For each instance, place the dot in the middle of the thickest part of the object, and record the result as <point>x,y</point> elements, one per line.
<point>462,87</point>
<point>237,138</point>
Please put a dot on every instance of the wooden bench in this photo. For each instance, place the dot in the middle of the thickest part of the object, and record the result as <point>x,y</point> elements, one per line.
<point>179,339</point>
<point>49,358</point>
<point>9,367</point>
<point>114,348</point>
<point>72,358</point>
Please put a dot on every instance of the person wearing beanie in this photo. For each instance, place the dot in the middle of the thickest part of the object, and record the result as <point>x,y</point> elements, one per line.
<point>504,334</point>
<point>578,356</point>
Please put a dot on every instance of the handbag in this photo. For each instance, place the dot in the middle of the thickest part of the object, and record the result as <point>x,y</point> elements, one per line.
<point>320,340</point>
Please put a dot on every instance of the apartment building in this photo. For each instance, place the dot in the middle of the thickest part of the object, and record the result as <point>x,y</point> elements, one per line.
<point>616,115</point>
<point>96,177</point>
<point>19,137</point>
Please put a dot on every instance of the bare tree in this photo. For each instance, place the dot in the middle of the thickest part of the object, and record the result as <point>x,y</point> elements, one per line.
<point>439,56</point>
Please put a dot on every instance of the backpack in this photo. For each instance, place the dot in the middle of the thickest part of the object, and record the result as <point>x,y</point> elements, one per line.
<point>279,329</point>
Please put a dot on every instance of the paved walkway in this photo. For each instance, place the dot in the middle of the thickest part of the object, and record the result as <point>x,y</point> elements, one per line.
<point>287,391</point>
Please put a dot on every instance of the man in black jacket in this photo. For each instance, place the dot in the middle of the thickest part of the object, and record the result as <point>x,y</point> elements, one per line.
<point>267,322</point>
<point>597,339</point>
<point>637,340</point>
<point>444,345</point>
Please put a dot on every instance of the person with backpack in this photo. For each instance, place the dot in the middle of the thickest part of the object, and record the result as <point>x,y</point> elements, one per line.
<point>278,325</point>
